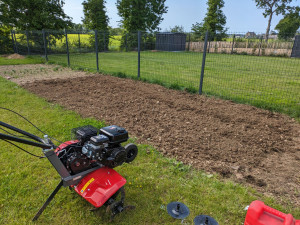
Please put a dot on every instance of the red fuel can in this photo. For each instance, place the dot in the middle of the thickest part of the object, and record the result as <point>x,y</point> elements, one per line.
<point>260,214</point>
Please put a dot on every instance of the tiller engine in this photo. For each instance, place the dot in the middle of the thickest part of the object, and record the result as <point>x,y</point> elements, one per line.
<point>86,163</point>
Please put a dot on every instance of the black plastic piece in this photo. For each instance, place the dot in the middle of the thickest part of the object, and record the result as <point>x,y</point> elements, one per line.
<point>115,134</point>
<point>40,142</point>
<point>36,138</point>
<point>205,220</point>
<point>99,139</point>
<point>25,141</point>
<point>49,199</point>
<point>84,133</point>
<point>178,210</point>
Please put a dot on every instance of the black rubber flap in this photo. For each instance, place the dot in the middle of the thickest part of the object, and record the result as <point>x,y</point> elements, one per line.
<point>205,220</point>
<point>178,210</point>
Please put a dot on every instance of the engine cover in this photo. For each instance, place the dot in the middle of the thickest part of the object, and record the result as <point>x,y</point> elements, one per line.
<point>98,186</point>
<point>115,134</point>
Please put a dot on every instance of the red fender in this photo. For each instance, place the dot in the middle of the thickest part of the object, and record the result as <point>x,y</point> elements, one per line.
<point>98,186</point>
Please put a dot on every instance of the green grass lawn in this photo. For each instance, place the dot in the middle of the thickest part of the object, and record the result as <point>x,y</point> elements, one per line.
<point>26,60</point>
<point>268,82</point>
<point>152,180</point>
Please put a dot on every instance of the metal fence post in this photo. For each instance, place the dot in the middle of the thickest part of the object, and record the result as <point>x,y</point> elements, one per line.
<point>16,43</point>
<point>79,41</point>
<point>126,42</point>
<point>67,45</point>
<point>13,41</point>
<point>139,54</point>
<point>48,43</point>
<point>232,43</point>
<point>45,45</point>
<point>104,46</point>
<point>203,63</point>
<point>261,38</point>
<point>144,42</point>
<point>96,45</point>
<point>189,42</point>
<point>27,38</point>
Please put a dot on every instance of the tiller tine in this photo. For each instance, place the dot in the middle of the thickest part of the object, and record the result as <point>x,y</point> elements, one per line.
<point>116,207</point>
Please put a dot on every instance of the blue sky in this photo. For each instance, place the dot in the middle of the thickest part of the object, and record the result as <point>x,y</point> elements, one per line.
<point>242,15</point>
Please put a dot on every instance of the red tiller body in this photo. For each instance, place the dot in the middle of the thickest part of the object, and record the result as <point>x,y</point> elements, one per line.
<point>65,144</point>
<point>86,163</point>
<point>260,214</point>
<point>98,186</point>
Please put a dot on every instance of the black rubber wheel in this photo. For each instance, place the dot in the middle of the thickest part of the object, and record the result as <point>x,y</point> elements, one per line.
<point>131,151</point>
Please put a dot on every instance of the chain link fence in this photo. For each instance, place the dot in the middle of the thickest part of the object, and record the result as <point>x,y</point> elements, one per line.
<point>242,67</point>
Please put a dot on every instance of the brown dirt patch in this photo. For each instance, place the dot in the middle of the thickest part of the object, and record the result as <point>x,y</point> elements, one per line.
<point>240,142</point>
<point>15,56</point>
<point>22,74</point>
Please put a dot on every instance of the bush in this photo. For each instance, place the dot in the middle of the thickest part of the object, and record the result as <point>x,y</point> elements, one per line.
<point>6,45</point>
<point>243,53</point>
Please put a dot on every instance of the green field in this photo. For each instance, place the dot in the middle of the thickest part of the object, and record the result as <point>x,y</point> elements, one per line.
<point>26,60</point>
<point>268,82</point>
<point>84,39</point>
<point>73,41</point>
<point>152,180</point>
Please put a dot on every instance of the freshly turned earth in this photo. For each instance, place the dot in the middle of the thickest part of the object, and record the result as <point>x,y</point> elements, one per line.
<point>240,142</point>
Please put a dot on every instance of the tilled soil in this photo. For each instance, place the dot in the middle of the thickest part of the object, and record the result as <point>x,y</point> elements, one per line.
<point>240,142</point>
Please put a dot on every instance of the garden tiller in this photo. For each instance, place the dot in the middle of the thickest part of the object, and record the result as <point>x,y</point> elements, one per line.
<point>85,163</point>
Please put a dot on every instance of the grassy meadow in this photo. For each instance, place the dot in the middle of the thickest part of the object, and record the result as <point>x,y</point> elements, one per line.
<point>26,60</point>
<point>152,180</point>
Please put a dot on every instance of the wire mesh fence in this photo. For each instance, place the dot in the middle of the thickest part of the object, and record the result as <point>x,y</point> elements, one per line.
<point>243,67</point>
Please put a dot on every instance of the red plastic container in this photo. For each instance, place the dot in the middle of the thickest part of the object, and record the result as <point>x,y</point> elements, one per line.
<point>260,214</point>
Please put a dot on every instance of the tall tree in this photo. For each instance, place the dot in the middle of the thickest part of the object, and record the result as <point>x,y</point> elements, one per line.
<point>271,7</point>
<point>144,15</point>
<point>289,25</point>
<point>95,18</point>
<point>214,21</point>
<point>95,15</point>
<point>5,40</point>
<point>34,15</point>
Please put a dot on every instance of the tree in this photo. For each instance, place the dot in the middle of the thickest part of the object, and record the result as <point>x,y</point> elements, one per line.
<point>95,18</point>
<point>143,15</point>
<point>289,25</point>
<point>79,27</point>
<point>34,15</point>
<point>177,29</point>
<point>116,31</point>
<point>214,21</point>
<point>5,40</point>
<point>139,15</point>
<point>198,31</point>
<point>271,7</point>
